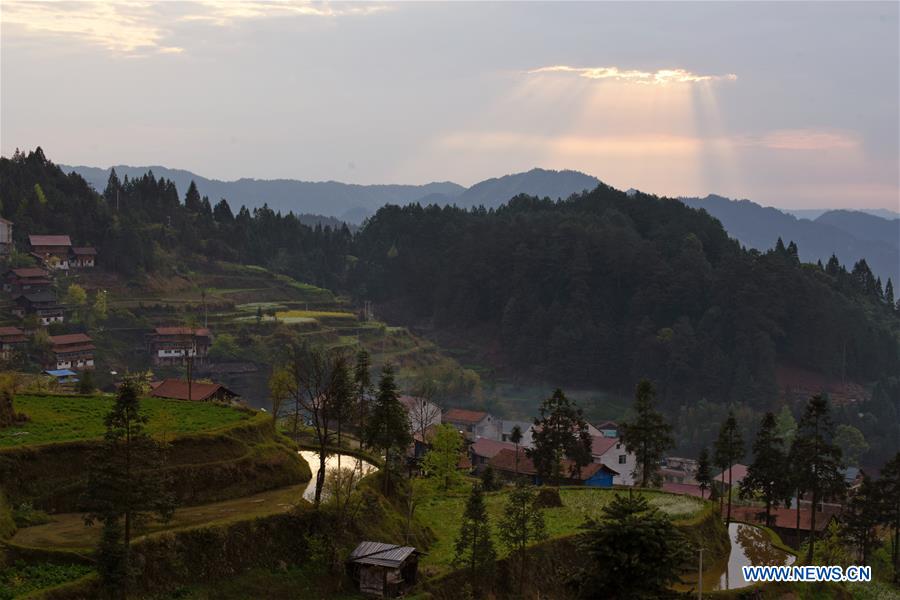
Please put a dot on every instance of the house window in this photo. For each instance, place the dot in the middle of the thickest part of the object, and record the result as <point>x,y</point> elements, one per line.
<point>622,459</point>
<point>619,446</point>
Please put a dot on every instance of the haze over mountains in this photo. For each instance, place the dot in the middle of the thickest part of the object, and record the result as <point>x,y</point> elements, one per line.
<point>850,235</point>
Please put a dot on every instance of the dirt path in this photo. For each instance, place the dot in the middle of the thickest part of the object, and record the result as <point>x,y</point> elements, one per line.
<point>69,531</point>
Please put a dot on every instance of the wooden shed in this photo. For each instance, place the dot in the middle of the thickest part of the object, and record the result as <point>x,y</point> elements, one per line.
<point>383,570</point>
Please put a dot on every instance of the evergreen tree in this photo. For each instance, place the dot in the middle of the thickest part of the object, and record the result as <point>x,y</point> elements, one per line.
<point>522,523</point>
<point>86,384</point>
<point>648,435</point>
<point>192,201</point>
<point>889,293</point>
<point>474,548</point>
<point>515,436</point>
<point>704,475</point>
<point>729,450</point>
<point>766,475</point>
<point>862,516</point>
<point>387,429</point>
<point>634,551</point>
<point>817,464</point>
<point>341,407</point>
<point>560,432</point>
<point>125,485</point>
<point>889,486</point>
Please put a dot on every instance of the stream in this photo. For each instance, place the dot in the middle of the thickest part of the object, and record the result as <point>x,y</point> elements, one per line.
<point>749,546</point>
<point>333,462</point>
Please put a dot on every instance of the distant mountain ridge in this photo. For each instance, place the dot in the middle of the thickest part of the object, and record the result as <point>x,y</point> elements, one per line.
<point>850,235</point>
<point>353,202</point>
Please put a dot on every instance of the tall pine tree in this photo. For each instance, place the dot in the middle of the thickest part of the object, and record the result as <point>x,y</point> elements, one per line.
<point>766,475</point>
<point>560,432</point>
<point>648,435</point>
<point>474,548</point>
<point>729,450</point>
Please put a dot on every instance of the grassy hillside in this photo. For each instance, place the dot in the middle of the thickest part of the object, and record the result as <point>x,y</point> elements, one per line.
<point>67,418</point>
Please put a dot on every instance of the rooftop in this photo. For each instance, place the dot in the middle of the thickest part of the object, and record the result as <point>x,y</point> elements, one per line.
<point>70,338</point>
<point>505,460</point>
<point>600,445</point>
<point>177,389</point>
<point>738,472</point>
<point>49,240</point>
<point>462,415</point>
<point>490,448</point>
<point>381,554</point>
<point>182,330</point>
<point>29,272</point>
<point>84,251</point>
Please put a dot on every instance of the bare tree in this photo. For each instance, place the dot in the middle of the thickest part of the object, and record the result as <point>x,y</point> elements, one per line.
<point>423,413</point>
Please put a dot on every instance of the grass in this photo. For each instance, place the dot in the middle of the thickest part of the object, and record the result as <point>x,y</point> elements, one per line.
<point>284,315</point>
<point>443,513</point>
<point>70,418</point>
<point>20,579</point>
<point>291,583</point>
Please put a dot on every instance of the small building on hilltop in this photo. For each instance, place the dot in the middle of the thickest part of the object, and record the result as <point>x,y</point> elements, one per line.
<point>71,351</point>
<point>592,475</point>
<point>66,379</point>
<point>11,340</point>
<point>383,570</point>
<point>53,250</point>
<point>83,257</point>
<point>179,389</point>
<point>174,345</point>
<point>26,280</point>
<point>43,304</point>
<point>474,423</point>
<point>6,237</point>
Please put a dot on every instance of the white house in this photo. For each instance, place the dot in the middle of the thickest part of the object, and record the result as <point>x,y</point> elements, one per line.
<point>423,413</point>
<point>612,453</point>
<point>474,423</point>
<point>524,426</point>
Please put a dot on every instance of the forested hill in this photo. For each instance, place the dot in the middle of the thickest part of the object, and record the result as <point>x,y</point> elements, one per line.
<point>606,288</point>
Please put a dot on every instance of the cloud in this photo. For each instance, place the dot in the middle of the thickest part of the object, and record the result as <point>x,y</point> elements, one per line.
<point>806,139</point>
<point>660,77</point>
<point>134,27</point>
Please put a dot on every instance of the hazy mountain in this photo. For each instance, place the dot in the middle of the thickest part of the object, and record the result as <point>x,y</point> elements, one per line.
<point>847,234</point>
<point>815,213</point>
<point>493,192</point>
<point>345,201</point>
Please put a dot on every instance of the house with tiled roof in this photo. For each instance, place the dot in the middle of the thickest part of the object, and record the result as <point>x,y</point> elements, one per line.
<point>173,345</point>
<point>82,257</point>
<point>474,423</point>
<point>26,280</point>
<point>738,472</point>
<point>53,250</point>
<point>179,389</point>
<point>508,464</point>
<point>71,351</point>
<point>43,304</point>
<point>612,453</point>
<point>482,450</point>
<point>11,340</point>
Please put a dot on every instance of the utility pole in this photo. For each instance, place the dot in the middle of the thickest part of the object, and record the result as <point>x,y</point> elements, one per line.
<point>700,577</point>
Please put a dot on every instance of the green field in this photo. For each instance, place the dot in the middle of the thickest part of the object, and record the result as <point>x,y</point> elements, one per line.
<point>443,513</point>
<point>20,579</point>
<point>69,418</point>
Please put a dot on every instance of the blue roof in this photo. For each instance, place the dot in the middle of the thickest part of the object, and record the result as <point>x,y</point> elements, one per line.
<point>61,372</point>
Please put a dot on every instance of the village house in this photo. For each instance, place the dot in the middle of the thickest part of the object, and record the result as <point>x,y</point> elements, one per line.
<point>592,474</point>
<point>675,469</point>
<point>607,429</point>
<point>6,237</point>
<point>738,472</point>
<point>612,453</point>
<point>784,521</point>
<point>474,423</point>
<point>482,450</point>
<point>524,426</point>
<point>53,250</point>
<point>71,351</point>
<point>43,304</point>
<point>64,379</point>
<point>82,257</point>
<point>178,389</point>
<point>383,570</point>
<point>11,340</point>
<point>173,345</point>
<point>26,280</point>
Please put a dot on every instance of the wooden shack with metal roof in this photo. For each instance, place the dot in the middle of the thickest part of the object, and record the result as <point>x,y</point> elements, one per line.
<point>383,570</point>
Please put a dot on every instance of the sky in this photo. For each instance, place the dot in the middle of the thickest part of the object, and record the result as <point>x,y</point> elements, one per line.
<point>789,104</point>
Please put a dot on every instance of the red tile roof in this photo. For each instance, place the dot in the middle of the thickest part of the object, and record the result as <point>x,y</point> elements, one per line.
<point>49,240</point>
<point>30,272</point>
<point>176,389</point>
<point>489,448</point>
<point>181,330</point>
<point>600,445</point>
<point>5,222</point>
<point>505,460</point>
<point>687,489</point>
<point>786,518</point>
<point>461,415</point>
<point>12,335</point>
<point>70,338</point>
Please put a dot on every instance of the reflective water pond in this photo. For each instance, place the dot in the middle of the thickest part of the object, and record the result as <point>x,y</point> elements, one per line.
<point>749,546</point>
<point>333,463</point>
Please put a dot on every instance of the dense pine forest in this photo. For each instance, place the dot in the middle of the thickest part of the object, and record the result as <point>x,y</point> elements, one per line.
<point>601,289</point>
